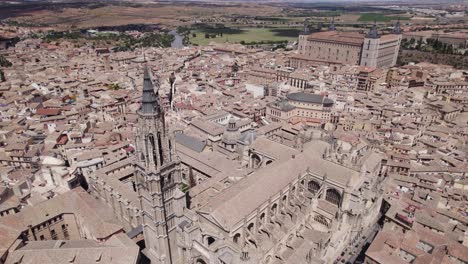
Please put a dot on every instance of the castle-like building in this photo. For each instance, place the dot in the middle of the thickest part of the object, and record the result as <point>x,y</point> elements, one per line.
<point>334,47</point>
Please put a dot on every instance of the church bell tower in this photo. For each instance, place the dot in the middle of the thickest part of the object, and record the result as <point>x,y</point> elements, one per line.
<point>158,178</point>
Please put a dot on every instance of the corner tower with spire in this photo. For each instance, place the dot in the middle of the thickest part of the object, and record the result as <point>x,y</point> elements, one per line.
<point>397,28</point>
<point>158,177</point>
<point>370,49</point>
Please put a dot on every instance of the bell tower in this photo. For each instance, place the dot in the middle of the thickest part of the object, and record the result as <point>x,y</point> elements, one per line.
<point>158,178</point>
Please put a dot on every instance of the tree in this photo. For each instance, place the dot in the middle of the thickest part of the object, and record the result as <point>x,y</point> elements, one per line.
<point>419,45</point>
<point>113,86</point>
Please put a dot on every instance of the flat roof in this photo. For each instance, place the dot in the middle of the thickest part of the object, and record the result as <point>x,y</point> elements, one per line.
<point>349,38</point>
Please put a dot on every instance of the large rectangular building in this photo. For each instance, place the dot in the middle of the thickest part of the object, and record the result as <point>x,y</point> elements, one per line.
<point>300,106</point>
<point>347,48</point>
<point>331,47</point>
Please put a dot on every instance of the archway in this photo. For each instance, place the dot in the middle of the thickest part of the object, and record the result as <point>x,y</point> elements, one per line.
<point>313,187</point>
<point>236,238</point>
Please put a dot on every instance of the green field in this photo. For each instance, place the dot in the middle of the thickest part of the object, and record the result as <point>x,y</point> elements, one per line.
<point>370,17</point>
<point>247,35</point>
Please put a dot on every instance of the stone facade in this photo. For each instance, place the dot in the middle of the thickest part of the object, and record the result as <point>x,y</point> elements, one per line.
<point>308,213</point>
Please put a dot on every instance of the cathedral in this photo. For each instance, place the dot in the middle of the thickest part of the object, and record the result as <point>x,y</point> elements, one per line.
<point>251,198</point>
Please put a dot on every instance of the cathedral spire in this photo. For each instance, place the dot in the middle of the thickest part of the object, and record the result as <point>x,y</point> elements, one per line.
<point>149,100</point>
<point>158,177</point>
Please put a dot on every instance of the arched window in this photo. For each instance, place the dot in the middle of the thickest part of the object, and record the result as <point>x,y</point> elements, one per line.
<point>153,149</point>
<point>313,187</point>
<point>256,160</point>
<point>161,158</point>
<point>273,210</point>
<point>333,196</point>
<point>250,227</point>
<point>262,217</point>
<point>200,261</point>
<point>236,238</point>
<point>170,149</point>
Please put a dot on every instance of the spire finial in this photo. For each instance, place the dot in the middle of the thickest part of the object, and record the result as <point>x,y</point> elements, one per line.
<point>150,99</point>
<point>397,28</point>
<point>373,33</point>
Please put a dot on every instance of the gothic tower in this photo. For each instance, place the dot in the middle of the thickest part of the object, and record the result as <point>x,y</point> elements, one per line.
<point>158,178</point>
